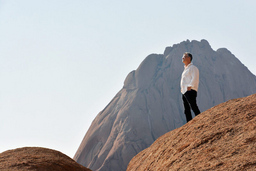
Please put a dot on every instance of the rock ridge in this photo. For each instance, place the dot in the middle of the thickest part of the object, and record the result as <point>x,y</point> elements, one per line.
<point>221,138</point>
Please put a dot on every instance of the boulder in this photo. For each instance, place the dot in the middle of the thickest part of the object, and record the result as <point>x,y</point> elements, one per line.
<point>37,159</point>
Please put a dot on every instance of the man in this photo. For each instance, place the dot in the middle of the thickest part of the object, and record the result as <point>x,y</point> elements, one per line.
<point>189,86</point>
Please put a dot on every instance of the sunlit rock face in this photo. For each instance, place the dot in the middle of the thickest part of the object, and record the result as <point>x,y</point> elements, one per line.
<point>221,138</point>
<point>149,104</point>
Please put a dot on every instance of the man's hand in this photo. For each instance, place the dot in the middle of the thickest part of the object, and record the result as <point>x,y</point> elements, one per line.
<point>188,88</point>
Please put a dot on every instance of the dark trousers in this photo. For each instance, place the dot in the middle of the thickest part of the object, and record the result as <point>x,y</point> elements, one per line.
<point>189,101</point>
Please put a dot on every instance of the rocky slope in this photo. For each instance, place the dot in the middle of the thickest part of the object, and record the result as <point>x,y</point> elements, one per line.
<point>149,104</point>
<point>37,159</point>
<point>221,138</point>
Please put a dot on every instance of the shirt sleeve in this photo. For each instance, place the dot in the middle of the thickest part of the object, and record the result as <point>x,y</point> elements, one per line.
<point>194,77</point>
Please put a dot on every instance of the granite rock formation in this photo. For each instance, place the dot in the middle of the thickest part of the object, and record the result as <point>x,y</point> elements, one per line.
<point>37,159</point>
<point>149,104</point>
<point>221,138</point>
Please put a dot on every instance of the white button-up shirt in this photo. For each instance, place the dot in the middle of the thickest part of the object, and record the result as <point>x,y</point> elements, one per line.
<point>189,78</point>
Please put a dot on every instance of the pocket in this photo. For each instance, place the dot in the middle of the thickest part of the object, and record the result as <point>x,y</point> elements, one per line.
<point>187,92</point>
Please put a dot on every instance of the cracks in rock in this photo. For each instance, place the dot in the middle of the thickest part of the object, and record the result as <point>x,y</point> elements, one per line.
<point>149,113</point>
<point>213,137</point>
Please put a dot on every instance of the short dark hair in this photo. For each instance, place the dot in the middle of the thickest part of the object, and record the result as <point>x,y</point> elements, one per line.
<point>190,55</point>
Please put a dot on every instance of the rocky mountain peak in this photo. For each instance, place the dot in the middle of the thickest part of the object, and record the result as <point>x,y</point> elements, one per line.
<point>149,104</point>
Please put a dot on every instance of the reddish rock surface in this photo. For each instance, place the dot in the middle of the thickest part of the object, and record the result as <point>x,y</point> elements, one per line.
<point>221,138</point>
<point>37,159</point>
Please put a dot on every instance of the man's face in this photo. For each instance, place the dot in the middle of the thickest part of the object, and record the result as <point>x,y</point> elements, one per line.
<point>185,59</point>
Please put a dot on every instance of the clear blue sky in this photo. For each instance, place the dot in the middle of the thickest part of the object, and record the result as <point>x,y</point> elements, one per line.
<point>62,61</point>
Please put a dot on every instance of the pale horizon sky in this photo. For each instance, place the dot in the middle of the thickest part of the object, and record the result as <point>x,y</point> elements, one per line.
<point>63,61</point>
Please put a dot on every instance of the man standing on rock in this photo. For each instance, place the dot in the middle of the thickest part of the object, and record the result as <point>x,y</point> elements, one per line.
<point>189,86</point>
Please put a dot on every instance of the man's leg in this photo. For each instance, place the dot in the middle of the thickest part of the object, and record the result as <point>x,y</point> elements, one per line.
<point>191,98</point>
<point>187,109</point>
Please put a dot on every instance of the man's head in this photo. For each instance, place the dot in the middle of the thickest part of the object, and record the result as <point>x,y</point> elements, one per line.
<point>187,58</point>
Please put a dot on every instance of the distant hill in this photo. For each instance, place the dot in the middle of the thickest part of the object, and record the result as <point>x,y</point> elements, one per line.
<point>37,159</point>
<point>221,138</point>
<point>149,104</point>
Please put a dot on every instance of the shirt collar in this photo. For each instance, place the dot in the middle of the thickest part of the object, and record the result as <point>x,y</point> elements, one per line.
<point>188,65</point>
